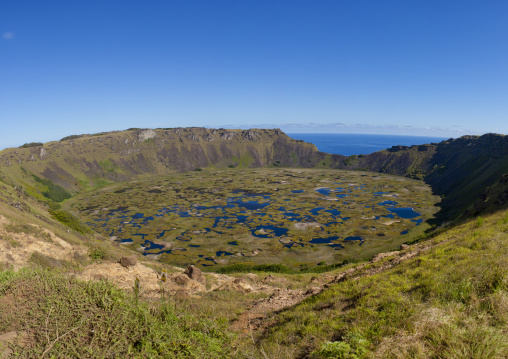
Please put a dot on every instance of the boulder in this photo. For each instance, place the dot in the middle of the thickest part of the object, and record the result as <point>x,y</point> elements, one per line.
<point>129,261</point>
<point>195,273</point>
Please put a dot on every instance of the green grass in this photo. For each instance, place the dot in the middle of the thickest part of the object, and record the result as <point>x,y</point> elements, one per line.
<point>450,302</point>
<point>69,220</point>
<point>54,192</point>
<point>68,318</point>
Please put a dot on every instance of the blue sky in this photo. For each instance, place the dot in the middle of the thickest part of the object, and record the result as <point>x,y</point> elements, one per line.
<point>437,68</point>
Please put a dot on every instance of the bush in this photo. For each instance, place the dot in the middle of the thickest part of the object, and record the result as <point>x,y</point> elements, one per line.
<point>69,220</point>
<point>353,347</point>
<point>31,144</point>
<point>55,192</point>
<point>71,137</point>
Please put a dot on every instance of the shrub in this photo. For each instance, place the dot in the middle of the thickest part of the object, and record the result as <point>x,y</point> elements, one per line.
<point>31,144</point>
<point>69,220</point>
<point>71,137</point>
<point>55,192</point>
<point>353,347</point>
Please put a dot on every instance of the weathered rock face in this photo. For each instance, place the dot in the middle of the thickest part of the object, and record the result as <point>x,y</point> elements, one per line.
<point>195,273</point>
<point>125,155</point>
<point>146,135</point>
<point>129,261</point>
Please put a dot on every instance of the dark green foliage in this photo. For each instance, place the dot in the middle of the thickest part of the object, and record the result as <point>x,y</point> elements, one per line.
<point>244,268</point>
<point>55,192</point>
<point>279,268</point>
<point>198,169</point>
<point>71,137</point>
<point>96,253</point>
<point>69,220</point>
<point>31,144</point>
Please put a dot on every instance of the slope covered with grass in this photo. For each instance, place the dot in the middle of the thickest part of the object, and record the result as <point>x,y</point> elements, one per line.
<point>449,301</point>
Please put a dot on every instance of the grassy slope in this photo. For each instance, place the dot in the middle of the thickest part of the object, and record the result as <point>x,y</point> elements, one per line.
<point>91,161</point>
<point>449,302</point>
<point>457,169</point>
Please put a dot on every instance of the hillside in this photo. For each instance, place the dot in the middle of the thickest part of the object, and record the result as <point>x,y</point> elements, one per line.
<point>458,170</point>
<point>85,161</point>
<point>66,291</point>
<point>444,297</point>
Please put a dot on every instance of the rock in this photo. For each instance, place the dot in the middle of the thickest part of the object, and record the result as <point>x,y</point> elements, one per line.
<point>42,154</point>
<point>195,273</point>
<point>238,285</point>
<point>252,277</point>
<point>146,135</point>
<point>403,247</point>
<point>19,338</point>
<point>306,225</point>
<point>129,261</point>
<point>180,279</point>
<point>313,291</point>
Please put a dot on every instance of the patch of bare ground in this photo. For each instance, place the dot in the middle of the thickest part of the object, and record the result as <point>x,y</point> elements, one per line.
<point>18,242</point>
<point>180,284</point>
<point>257,317</point>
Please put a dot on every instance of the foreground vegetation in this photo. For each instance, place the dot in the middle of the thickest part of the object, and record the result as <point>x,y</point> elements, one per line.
<point>445,297</point>
<point>450,301</point>
<point>67,318</point>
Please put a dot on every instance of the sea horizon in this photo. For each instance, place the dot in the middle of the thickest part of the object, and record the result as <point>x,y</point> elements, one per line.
<point>348,144</point>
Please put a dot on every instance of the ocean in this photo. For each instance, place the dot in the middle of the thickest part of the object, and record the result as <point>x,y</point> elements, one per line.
<point>348,144</point>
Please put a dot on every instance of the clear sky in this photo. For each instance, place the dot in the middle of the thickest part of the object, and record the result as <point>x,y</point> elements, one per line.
<point>416,67</point>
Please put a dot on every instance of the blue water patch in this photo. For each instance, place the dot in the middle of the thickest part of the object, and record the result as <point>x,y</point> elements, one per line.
<point>138,215</point>
<point>316,210</point>
<point>194,245</point>
<point>324,191</point>
<point>335,212</point>
<point>298,191</point>
<point>161,234</point>
<point>336,246</point>
<point>272,231</point>
<point>250,205</point>
<point>323,240</point>
<point>233,243</point>
<point>347,144</point>
<point>223,253</point>
<point>388,203</point>
<point>151,245</point>
<point>404,212</point>
<point>404,232</point>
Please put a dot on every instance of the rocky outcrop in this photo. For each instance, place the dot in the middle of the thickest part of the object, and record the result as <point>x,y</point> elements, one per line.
<point>195,273</point>
<point>146,135</point>
<point>129,261</point>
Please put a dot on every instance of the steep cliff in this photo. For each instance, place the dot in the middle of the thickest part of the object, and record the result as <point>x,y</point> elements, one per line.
<point>459,170</point>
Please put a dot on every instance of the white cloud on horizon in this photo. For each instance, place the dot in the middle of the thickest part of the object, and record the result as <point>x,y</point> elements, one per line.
<point>362,128</point>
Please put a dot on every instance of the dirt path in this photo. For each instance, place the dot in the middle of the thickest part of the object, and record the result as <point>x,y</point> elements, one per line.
<point>255,318</point>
